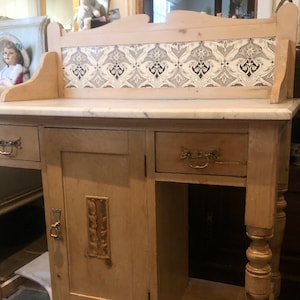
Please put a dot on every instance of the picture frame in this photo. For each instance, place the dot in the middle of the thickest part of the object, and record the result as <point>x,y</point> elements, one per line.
<point>113,14</point>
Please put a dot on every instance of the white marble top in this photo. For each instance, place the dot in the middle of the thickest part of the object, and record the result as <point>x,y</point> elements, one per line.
<point>245,109</point>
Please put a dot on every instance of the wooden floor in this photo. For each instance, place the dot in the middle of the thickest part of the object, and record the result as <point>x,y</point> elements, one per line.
<point>22,239</point>
<point>9,282</point>
<point>22,257</point>
<point>199,289</point>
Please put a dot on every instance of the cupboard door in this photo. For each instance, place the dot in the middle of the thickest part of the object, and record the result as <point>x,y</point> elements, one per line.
<point>94,186</point>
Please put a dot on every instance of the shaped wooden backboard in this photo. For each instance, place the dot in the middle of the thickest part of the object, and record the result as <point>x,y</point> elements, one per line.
<point>191,56</point>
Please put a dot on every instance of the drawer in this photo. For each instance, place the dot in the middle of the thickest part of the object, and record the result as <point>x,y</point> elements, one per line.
<point>19,143</point>
<point>201,153</point>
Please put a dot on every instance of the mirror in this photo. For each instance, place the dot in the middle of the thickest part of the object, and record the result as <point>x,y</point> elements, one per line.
<point>158,9</point>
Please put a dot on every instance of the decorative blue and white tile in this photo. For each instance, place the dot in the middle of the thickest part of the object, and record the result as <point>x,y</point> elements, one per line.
<point>244,62</point>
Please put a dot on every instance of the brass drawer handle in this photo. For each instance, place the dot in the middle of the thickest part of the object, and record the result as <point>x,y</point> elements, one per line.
<point>202,157</point>
<point>8,146</point>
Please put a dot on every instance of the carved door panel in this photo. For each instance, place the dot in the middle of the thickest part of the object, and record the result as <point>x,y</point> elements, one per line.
<point>95,209</point>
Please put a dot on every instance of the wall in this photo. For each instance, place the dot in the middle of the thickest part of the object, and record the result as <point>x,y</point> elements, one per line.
<point>266,7</point>
<point>126,8</point>
<point>16,9</point>
<point>60,11</point>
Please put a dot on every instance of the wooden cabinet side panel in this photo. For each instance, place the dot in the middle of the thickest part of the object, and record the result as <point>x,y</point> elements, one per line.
<point>172,240</point>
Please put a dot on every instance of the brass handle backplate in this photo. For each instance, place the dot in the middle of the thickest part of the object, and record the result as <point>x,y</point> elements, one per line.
<point>55,229</point>
<point>201,157</point>
<point>7,146</point>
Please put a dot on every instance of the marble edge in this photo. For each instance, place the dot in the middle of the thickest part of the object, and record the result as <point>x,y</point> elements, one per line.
<point>256,109</point>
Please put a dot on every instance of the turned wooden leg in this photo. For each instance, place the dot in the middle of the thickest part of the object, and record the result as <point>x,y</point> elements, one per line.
<point>258,269</point>
<point>276,243</point>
